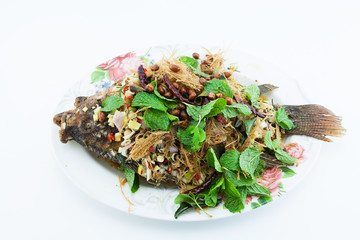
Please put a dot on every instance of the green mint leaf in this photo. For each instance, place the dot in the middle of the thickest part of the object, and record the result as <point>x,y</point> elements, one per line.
<point>200,73</point>
<point>212,195</point>
<point>248,123</point>
<point>234,198</point>
<point>287,172</point>
<point>131,177</point>
<point>235,109</point>
<point>143,99</point>
<point>230,160</point>
<point>264,200</point>
<point>243,180</point>
<point>172,118</point>
<point>212,160</point>
<point>283,120</point>
<point>284,157</point>
<point>112,103</point>
<point>257,190</point>
<point>169,103</point>
<point>255,205</point>
<point>271,144</point>
<point>249,160</point>
<point>217,85</point>
<point>193,136</point>
<point>189,61</point>
<point>156,120</point>
<point>97,76</point>
<point>253,94</point>
<point>182,198</point>
<point>211,109</point>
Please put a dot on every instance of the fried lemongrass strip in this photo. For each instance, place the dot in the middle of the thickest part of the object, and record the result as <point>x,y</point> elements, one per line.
<point>122,183</point>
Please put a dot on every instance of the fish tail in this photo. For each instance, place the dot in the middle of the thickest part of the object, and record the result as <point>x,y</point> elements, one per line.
<point>314,121</point>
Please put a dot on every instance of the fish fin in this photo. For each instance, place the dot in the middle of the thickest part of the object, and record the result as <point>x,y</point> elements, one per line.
<point>266,88</point>
<point>314,121</point>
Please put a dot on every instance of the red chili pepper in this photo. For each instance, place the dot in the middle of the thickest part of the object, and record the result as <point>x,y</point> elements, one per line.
<point>125,88</point>
<point>165,161</point>
<point>111,137</point>
<point>130,98</point>
<point>196,177</point>
<point>128,105</point>
<point>139,120</point>
<point>170,169</point>
<point>141,172</point>
<point>151,149</point>
<point>145,70</point>
<point>150,165</point>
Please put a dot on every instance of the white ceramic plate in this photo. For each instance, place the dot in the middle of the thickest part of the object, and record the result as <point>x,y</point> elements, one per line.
<point>100,181</point>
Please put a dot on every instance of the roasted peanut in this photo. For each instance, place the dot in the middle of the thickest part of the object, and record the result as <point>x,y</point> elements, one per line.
<point>212,96</point>
<point>175,112</point>
<point>167,137</point>
<point>183,115</point>
<point>202,81</point>
<point>176,85</point>
<point>168,94</point>
<point>181,106</point>
<point>217,75</point>
<point>149,88</point>
<point>229,101</point>
<point>192,94</point>
<point>220,95</point>
<point>101,116</point>
<point>174,67</point>
<point>183,90</point>
<point>161,90</point>
<point>148,73</point>
<point>154,67</point>
<point>227,74</point>
<point>195,55</point>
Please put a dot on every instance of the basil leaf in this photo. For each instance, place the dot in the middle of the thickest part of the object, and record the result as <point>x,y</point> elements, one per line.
<point>249,160</point>
<point>112,103</point>
<point>212,160</point>
<point>189,61</point>
<point>230,160</point>
<point>184,206</point>
<point>284,157</point>
<point>211,109</point>
<point>253,94</point>
<point>243,180</point>
<point>248,123</point>
<point>257,190</point>
<point>143,99</point>
<point>283,120</point>
<point>132,178</point>
<point>97,76</point>
<point>156,120</point>
<point>235,109</point>
<point>287,172</point>
<point>217,86</point>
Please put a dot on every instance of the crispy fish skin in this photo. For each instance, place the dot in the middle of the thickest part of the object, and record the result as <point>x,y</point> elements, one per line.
<point>79,125</point>
<point>314,121</point>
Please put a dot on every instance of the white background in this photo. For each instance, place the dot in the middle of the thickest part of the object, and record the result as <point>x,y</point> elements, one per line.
<point>46,46</point>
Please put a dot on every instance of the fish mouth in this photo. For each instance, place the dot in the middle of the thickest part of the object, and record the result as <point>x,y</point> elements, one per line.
<point>57,118</point>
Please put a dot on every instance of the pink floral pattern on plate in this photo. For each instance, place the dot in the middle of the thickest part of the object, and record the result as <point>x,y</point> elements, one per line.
<point>120,66</point>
